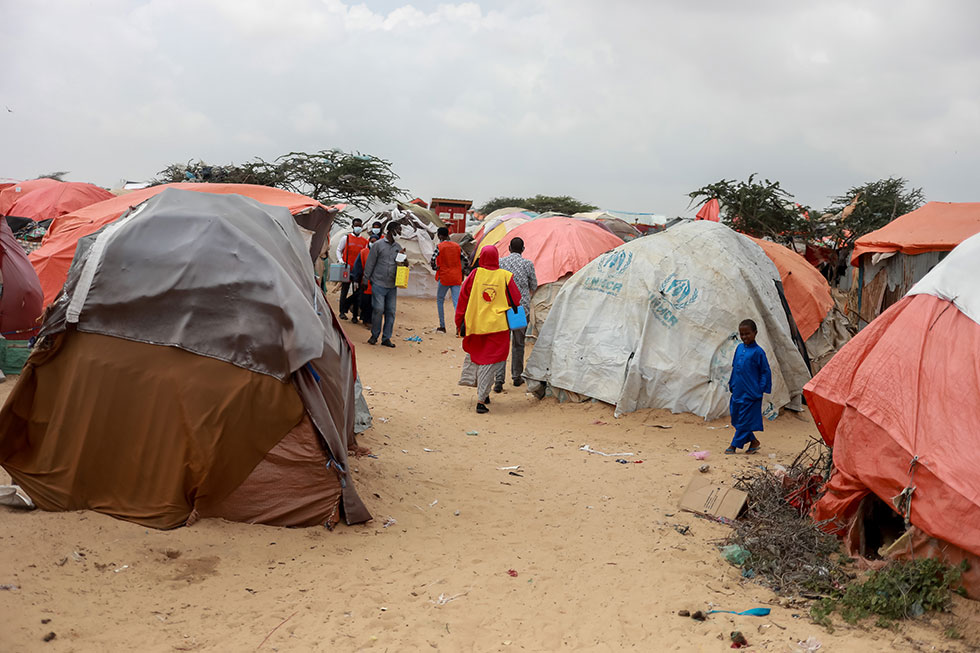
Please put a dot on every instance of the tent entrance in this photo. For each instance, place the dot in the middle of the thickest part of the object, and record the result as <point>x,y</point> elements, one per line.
<point>879,526</point>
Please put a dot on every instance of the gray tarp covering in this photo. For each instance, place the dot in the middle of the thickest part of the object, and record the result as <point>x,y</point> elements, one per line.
<point>219,275</point>
<point>225,277</point>
<point>362,414</point>
<point>653,324</point>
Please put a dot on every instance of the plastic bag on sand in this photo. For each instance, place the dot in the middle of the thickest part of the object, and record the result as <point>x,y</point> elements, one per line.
<point>735,554</point>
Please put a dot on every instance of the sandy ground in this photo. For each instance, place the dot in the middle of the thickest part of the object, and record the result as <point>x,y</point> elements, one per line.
<point>599,564</point>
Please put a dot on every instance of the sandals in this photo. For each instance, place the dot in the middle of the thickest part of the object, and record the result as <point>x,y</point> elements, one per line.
<point>729,451</point>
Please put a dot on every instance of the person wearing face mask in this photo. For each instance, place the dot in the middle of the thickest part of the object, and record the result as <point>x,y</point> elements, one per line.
<point>348,248</point>
<point>380,270</point>
<point>363,285</point>
<point>376,229</point>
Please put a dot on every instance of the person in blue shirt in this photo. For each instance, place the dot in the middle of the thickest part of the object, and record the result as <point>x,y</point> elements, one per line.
<point>751,378</point>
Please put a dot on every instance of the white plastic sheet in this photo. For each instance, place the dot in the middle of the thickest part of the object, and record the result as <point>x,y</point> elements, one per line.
<point>653,324</point>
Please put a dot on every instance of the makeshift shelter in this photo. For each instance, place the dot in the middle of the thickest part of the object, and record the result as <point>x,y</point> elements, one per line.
<point>427,216</point>
<point>494,229</point>
<point>15,191</point>
<point>55,200</point>
<point>466,242</point>
<point>507,210</point>
<point>821,325</point>
<point>899,406</point>
<point>190,369</point>
<point>54,257</point>
<point>31,214</point>
<point>675,299</point>
<point>558,247</point>
<point>21,300</point>
<point>616,225</point>
<point>892,259</point>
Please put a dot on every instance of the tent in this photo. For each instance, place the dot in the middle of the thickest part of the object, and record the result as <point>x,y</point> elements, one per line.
<point>892,259</point>
<point>21,299</point>
<point>822,326</point>
<point>466,242</point>
<point>494,229</point>
<point>507,210</point>
<point>899,406</point>
<point>58,199</point>
<point>558,247</point>
<point>190,369</point>
<point>54,257</point>
<point>32,213</point>
<point>427,216</point>
<point>15,191</point>
<point>616,225</point>
<point>653,324</point>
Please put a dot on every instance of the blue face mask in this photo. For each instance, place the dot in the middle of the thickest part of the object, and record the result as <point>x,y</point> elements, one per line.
<point>376,231</point>
<point>357,230</point>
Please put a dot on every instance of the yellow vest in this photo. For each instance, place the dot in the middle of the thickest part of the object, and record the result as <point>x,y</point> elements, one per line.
<point>487,305</point>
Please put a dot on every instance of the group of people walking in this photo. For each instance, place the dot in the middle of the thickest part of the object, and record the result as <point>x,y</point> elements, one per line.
<point>481,302</point>
<point>482,295</point>
<point>370,295</point>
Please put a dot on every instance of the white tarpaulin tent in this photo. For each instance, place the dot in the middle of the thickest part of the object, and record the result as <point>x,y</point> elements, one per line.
<point>654,322</point>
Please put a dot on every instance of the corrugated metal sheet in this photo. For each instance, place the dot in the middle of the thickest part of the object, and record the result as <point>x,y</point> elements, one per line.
<point>901,272</point>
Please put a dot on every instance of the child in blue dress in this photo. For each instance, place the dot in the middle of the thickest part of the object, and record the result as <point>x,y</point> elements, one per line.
<point>751,379</point>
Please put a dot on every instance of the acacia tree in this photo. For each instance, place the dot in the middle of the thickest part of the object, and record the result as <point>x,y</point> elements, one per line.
<point>540,204</point>
<point>755,208</point>
<point>328,176</point>
<point>862,209</point>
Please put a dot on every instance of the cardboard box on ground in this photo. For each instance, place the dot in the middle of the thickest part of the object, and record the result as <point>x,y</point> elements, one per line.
<point>712,499</point>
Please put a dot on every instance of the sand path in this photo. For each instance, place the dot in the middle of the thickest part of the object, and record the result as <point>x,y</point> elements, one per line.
<point>600,565</point>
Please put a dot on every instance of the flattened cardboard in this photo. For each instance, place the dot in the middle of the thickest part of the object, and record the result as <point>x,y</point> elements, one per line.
<point>714,499</point>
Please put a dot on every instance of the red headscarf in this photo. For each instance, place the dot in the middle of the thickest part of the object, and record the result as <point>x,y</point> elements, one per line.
<point>489,258</point>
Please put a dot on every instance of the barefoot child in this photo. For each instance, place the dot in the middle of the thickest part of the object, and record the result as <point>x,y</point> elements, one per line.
<point>751,378</point>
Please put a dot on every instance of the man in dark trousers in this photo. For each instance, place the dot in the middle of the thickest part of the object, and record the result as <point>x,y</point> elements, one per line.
<point>380,271</point>
<point>349,246</point>
<point>527,283</point>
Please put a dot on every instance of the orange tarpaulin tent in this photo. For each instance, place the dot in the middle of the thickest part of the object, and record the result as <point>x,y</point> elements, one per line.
<point>54,257</point>
<point>559,246</point>
<point>898,405</point>
<point>934,227</point>
<point>57,199</point>
<point>17,190</point>
<point>806,290</point>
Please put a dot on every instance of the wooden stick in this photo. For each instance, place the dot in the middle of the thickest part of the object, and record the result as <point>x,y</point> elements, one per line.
<point>276,628</point>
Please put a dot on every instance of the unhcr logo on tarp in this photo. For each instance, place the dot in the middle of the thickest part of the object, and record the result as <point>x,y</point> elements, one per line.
<point>675,295</point>
<point>611,267</point>
<point>677,292</point>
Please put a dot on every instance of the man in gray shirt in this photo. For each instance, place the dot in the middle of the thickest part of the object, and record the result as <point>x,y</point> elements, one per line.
<point>380,271</point>
<point>527,283</point>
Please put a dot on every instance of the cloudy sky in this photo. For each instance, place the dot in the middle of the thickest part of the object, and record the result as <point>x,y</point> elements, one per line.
<point>626,104</point>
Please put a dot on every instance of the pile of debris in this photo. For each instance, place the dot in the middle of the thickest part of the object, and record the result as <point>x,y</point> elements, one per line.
<point>776,540</point>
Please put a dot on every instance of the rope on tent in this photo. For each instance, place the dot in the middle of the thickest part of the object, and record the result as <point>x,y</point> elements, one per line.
<point>903,500</point>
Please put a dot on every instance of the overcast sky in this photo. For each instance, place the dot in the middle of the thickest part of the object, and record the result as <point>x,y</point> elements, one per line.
<point>628,105</point>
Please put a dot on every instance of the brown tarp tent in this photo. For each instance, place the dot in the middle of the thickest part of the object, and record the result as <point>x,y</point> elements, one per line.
<point>190,369</point>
